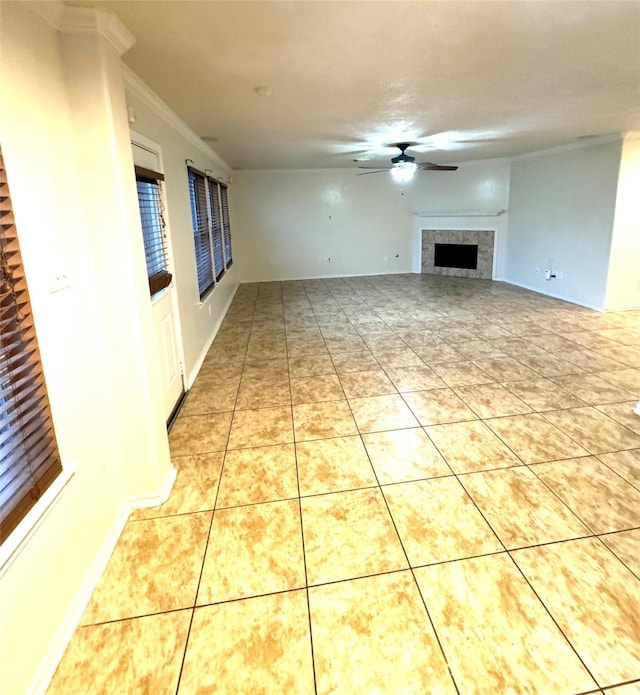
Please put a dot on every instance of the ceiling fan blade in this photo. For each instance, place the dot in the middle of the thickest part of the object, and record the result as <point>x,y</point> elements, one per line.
<point>364,173</point>
<point>379,168</point>
<point>430,166</point>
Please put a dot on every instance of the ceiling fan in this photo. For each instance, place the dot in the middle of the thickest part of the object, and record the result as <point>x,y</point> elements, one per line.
<point>403,166</point>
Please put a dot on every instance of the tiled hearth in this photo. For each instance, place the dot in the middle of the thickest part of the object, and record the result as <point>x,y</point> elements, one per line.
<point>483,238</point>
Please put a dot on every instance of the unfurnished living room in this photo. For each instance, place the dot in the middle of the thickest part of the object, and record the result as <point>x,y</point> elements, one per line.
<point>320,347</point>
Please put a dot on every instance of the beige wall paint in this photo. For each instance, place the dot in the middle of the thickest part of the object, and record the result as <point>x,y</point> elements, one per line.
<point>63,110</point>
<point>289,223</point>
<point>327,223</point>
<point>561,208</point>
<point>65,139</point>
<point>199,320</point>
<point>623,286</point>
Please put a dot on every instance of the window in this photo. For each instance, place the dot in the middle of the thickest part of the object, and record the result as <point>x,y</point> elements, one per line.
<point>216,226</point>
<point>211,228</point>
<point>224,203</point>
<point>201,231</point>
<point>153,228</point>
<point>29,459</point>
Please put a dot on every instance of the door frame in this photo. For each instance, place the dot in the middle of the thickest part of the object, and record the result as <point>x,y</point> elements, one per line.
<point>155,149</point>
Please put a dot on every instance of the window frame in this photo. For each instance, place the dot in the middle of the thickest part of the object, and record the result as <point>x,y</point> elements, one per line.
<point>154,233</point>
<point>216,223</point>
<point>211,228</point>
<point>199,205</point>
<point>30,462</point>
<point>226,225</point>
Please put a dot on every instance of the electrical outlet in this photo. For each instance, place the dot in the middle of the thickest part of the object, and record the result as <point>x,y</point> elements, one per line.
<point>58,282</point>
<point>560,275</point>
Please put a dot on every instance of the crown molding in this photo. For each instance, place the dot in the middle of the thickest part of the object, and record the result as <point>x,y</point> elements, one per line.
<point>90,19</point>
<point>580,144</point>
<point>51,12</point>
<point>141,90</point>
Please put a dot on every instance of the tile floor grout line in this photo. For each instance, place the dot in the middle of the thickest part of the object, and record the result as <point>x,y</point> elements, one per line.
<point>424,603</point>
<point>557,495</point>
<point>604,463</point>
<point>206,545</point>
<point>383,297</point>
<point>506,550</point>
<point>613,552</point>
<point>590,407</point>
<point>555,622</point>
<point>304,549</point>
<point>402,545</point>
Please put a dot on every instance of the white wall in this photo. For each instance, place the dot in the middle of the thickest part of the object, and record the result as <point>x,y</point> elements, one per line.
<point>444,201</point>
<point>623,287</point>
<point>199,320</point>
<point>288,223</point>
<point>561,210</point>
<point>65,140</point>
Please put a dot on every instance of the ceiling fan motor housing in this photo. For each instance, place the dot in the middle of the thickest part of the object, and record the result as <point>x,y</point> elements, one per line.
<point>402,157</point>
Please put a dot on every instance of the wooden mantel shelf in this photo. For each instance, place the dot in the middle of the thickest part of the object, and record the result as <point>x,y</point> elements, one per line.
<point>459,213</point>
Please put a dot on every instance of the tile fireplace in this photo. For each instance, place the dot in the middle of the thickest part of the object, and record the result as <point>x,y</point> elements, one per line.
<point>464,253</point>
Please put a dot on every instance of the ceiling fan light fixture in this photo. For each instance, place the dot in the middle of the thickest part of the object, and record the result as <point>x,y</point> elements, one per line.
<point>403,172</point>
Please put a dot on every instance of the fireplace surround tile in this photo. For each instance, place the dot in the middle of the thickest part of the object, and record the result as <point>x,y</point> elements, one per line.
<point>483,238</point>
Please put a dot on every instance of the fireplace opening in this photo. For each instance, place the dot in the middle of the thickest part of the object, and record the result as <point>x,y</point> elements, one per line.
<point>456,256</point>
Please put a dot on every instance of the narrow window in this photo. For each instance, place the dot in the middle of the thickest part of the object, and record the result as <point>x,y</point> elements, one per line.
<point>29,459</point>
<point>216,226</point>
<point>226,225</point>
<point>153,228</point>
<point>201,231</point>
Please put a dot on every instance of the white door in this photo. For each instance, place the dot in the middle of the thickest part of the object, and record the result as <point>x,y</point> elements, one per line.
<point>164,303</point>
<point>163,319</point>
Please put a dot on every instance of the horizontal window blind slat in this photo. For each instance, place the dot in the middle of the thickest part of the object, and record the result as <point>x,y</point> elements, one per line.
<point>226,225</point>
<point>20,428</point>
<point>31,393</point>
<point>201,231</point>
<point>153,228</point>
<point>35,396</point>
<point>16,470</point>
<point>29,459</point>
<point>22,501</point>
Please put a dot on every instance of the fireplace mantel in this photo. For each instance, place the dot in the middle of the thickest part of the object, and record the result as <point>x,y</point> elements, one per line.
<point>459,213</point>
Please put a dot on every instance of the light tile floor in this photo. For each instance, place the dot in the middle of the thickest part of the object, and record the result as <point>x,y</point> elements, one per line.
<point>394,484</point>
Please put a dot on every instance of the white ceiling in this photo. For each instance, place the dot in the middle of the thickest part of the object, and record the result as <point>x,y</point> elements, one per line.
<point>468,80</point>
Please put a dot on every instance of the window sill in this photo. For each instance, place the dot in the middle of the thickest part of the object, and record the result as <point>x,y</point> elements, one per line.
<point>159,295</point>
<point>205,297</point>
<point>27,528</point>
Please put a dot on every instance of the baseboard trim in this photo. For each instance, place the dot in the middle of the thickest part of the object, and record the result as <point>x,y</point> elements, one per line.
<point>341,276</point>
<point>631,307</point>
<point>562,298</point>
<point>154,499</point>
<point>191,377</point>
<point>58,646</point>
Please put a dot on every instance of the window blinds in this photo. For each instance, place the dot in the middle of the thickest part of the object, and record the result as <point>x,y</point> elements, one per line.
<point>29,459</point>
<point>226,225</point>
<point>201,234</point>
<point>153,228</point>
<point>216,226</point>
<point>211,228</point>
